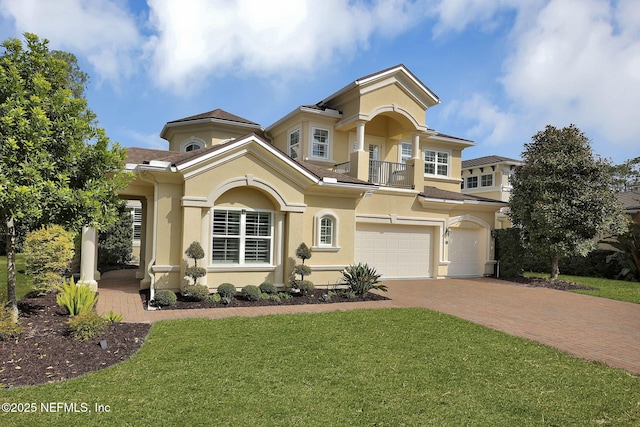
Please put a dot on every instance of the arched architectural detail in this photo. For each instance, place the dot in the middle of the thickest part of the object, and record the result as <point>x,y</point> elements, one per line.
<point>470,218</point>
<point>251,181</point>
<point>192,142</point>
<point>398,110</point>
<point>334,220</point>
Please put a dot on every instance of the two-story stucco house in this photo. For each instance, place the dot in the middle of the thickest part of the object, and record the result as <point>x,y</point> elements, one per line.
<point>358,177</point>
<point>489,176</point>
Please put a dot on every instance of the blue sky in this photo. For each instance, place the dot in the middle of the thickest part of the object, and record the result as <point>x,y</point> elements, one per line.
<point>503,68</point>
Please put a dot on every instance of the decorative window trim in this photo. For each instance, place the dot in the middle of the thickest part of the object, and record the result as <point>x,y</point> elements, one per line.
<point>328,151</point>
<point>192,142</point>
<point>437,163</point>
<point>318,229</point>
<point>242,239</point>
<point>290,146</point>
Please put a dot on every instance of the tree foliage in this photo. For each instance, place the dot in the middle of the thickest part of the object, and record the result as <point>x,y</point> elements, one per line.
<point>626,176</point>
<point>48,252</point>
<point>115,244</point>
<point>561,197</point>
<point>56,165</point>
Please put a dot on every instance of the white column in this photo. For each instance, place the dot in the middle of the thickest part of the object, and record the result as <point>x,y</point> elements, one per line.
<point>415,152</point>
<point>360,135</point>
<point>88,259</point>
<point>279,248</point>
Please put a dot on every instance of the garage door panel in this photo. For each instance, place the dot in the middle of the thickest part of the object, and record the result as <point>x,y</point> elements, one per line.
<point>395,251</point>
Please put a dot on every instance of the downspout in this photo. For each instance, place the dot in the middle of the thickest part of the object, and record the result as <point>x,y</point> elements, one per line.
<point>154,234</point>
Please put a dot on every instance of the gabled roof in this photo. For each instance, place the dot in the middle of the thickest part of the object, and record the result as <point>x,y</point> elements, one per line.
<point>368,79</point>
<point>437,194</point>
<point>488,161</point>
<point>145,156</point>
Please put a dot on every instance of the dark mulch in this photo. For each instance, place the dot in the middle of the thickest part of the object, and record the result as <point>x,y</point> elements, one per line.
<point>561,285</point>
<point>313,297</point>
<point>45,352</point>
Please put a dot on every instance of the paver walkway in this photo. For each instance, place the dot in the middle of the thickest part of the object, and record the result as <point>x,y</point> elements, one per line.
<point>588,327</point>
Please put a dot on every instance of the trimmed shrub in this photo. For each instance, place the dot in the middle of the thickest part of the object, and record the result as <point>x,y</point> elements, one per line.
<point>268,288</point>
<point>510,253</point>
<point>361,278</point>
<point>252,293</point>
<point>195,252</point>
<point>165,298</point>
<point>76,299</point>
<point>227,290</point>
<point>214,298</point>
<point>87,325</point>
<point>305,286</point>
<point>48,253</point>
<point>8,329</point>
<point>195,292</point>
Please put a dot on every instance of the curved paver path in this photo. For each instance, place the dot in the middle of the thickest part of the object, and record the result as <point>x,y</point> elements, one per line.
<point>588,327</point>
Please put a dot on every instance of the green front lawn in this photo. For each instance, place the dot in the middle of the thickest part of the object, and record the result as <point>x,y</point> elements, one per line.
<point>613,289</point>
<point>366,367</point>
<point>23,283</point>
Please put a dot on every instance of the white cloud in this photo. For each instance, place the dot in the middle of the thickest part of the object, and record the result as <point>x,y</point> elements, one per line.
<point>271,39</point>
<point>103,31</point>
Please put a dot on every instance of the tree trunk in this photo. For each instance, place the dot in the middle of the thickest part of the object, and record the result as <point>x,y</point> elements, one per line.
<point>554,266</point>
<point>11,269</point>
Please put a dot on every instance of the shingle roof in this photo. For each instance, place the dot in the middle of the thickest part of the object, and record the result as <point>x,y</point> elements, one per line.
<point>630,200</point>
<point>321,172</point>
<point>437,193</point>
<point>217,114</point>
<point>487,160</point>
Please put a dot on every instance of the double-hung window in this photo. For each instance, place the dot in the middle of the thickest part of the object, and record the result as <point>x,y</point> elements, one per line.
<point>436,163</point>
<point>320,143</point>
<point>405,151</point>
<point>486,180</point>
<point>326,231</point>
<point>242,237</point>
<point>294,144</point>
<point>472,182</point>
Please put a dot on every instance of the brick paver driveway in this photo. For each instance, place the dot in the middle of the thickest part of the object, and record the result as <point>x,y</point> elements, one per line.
<point>588,327</point>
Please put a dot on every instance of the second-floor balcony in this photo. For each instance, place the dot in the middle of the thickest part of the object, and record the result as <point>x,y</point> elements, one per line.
<point>388,174</point>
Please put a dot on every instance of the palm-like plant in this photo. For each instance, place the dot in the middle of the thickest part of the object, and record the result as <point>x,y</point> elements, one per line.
<point>361,278</point>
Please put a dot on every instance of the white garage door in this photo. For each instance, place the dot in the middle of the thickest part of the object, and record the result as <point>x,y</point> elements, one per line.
<point>395,251</point>
<point>466,252</point>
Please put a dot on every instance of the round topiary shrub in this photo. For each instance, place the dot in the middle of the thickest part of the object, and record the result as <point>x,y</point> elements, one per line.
<point>268,288</point>
<point>227,290</point>
<point>305,286</point>
<point>252,293</point>
<point>195,292</point>
<point>165,298</point>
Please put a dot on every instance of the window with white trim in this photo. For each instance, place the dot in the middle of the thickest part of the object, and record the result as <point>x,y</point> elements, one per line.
<point>486,180</point>
<point>136,214</point>
<point>405,151</point>
<point>326,231</point>
<point>436,163</point>
<point>191,144</point>
<point>294,144</point>
<point>242,237</point>
<point>319,143</point>
<point>192,147</point>
<point>472,182</point>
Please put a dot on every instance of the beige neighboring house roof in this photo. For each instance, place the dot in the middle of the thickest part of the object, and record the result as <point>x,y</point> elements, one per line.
<point>434,193</point>
<point>141,156</point>
<point>630,200</point>
<point>488,161</point>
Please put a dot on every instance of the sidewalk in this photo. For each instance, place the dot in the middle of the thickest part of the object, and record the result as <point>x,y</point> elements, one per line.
<point>588,327</point>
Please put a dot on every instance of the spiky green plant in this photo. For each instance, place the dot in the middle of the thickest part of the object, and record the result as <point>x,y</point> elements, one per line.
<point>361,278</point>
<point>76,298</point>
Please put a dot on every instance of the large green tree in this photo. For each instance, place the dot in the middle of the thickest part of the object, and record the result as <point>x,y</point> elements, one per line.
<point>562,199</point>
<point>56,165</point>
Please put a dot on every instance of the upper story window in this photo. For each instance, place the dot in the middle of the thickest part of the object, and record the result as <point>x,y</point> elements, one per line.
<point>486,180</point>
<point>242,237</point>
<point>320,143</point>
<point>192,144</point>
<point>472,182</point>
<point>294,144</point>
<point>436,163</point>
<point>405,151</point>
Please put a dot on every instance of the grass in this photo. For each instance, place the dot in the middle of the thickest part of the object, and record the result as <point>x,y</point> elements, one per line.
<point>395,367</point>
<point>23,283</point>
<point>613,289</point>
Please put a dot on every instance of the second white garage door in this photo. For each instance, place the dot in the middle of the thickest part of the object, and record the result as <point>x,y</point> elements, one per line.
<point>395,251</point>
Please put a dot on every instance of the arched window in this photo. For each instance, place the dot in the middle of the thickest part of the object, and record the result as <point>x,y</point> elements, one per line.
<point>191,144</point>
<point>326,231</point>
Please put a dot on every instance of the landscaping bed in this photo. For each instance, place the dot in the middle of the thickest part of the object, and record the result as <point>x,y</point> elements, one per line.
<point>561,285</point>
<point>315,296</point>
<point>46,352</point>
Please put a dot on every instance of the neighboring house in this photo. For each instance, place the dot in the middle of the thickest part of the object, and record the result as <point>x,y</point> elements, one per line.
<point>489,177</point>
<point>631,202</point>
<point>358,177</point>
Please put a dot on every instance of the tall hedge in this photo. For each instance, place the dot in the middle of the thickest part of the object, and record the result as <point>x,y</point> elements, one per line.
<point>48,253</point>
